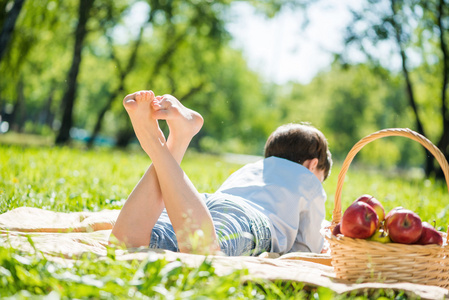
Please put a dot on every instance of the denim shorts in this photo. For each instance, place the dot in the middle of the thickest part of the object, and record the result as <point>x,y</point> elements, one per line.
<point>241,230</point>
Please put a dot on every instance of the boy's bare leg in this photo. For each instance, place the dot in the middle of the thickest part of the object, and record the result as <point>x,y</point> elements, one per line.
<point>184,205</point>
<point>144,205</point>
<point>187,212</point>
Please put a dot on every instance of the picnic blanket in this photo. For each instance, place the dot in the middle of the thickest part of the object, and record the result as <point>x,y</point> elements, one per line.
<point>67,236</point>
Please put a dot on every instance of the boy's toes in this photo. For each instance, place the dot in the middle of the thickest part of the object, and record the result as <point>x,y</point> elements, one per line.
<point>140,96</point>
<point>129,102</point>
<point>132,101</point>
<point>156,104</point>
<point>144,96</point>
<point>149,95</point>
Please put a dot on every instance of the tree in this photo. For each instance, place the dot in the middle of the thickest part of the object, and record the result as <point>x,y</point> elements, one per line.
<point>36,41</point>
<point>8,26</point>
<point>349,103</point>
<point>180,27</point>
<point>122,73</point>
<point>70,93</point>
<point>170,37</point>
<point>399,23</point>
<point>182,49</point>
<point>438,16</point>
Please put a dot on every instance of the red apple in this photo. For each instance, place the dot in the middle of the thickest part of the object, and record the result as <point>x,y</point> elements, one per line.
<point>359,221</point>
<point>391,212</point>
<point>429,235</point>
<point>404,226</point>
<point>374,203</point>
<point>336,231</point>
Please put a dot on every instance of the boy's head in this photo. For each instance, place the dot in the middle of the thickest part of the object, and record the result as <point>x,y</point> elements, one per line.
<point>299,143</point>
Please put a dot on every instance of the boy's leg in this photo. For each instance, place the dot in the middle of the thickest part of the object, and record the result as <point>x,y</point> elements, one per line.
<point>184,206</point>
<point>144,205</point>
<point>140,212</point>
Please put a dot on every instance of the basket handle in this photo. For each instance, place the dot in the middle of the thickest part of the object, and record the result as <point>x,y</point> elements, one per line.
<point>405,132</point>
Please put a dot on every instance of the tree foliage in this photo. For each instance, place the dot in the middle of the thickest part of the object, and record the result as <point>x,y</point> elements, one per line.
<point>416,33</point>
<point>183,48</point>
<point>70,63</point>
<point>349,103</point>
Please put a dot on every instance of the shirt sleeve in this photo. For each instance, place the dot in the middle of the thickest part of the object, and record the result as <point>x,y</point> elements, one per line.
<point>309,238</point>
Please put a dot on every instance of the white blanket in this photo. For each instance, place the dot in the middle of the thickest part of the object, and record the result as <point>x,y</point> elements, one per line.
<point>66,236</point>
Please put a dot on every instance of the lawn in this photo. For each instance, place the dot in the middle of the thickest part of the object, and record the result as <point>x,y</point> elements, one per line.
<point>71,179</point>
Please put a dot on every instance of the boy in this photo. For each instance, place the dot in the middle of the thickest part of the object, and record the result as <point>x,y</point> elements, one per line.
<point>276,204</point>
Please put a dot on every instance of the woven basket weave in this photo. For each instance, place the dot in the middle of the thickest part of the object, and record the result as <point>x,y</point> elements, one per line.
<point>359,260</point>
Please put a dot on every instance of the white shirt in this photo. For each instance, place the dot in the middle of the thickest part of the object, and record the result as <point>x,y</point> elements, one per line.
<point>289,194</point>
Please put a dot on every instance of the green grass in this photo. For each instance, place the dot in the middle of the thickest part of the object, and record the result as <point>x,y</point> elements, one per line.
<point>67,179</point>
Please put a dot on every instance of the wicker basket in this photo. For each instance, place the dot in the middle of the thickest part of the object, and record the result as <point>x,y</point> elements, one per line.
<point>359,260</point>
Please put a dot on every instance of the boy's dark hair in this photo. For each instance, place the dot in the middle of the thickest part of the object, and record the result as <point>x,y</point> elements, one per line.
<point>298,143</point>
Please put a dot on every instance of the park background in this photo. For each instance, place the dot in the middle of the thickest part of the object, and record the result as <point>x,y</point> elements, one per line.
<point>66,65</point>
<point>348,67</point>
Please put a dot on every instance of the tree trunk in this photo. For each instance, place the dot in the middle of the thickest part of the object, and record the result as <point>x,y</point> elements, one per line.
<point>429,168</point>
<point>443,143</point>
<point>125,135</point>
<point>102,113</point>
<point>121,87</point>
<point>22,113</point>
<point>8,26</point>
<point>47,114</point>
<point>68,100</point>
<point>18,114</point>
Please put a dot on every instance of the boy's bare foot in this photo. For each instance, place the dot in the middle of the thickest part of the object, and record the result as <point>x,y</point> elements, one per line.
<point>139,106</point>
<point>183,122</point>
